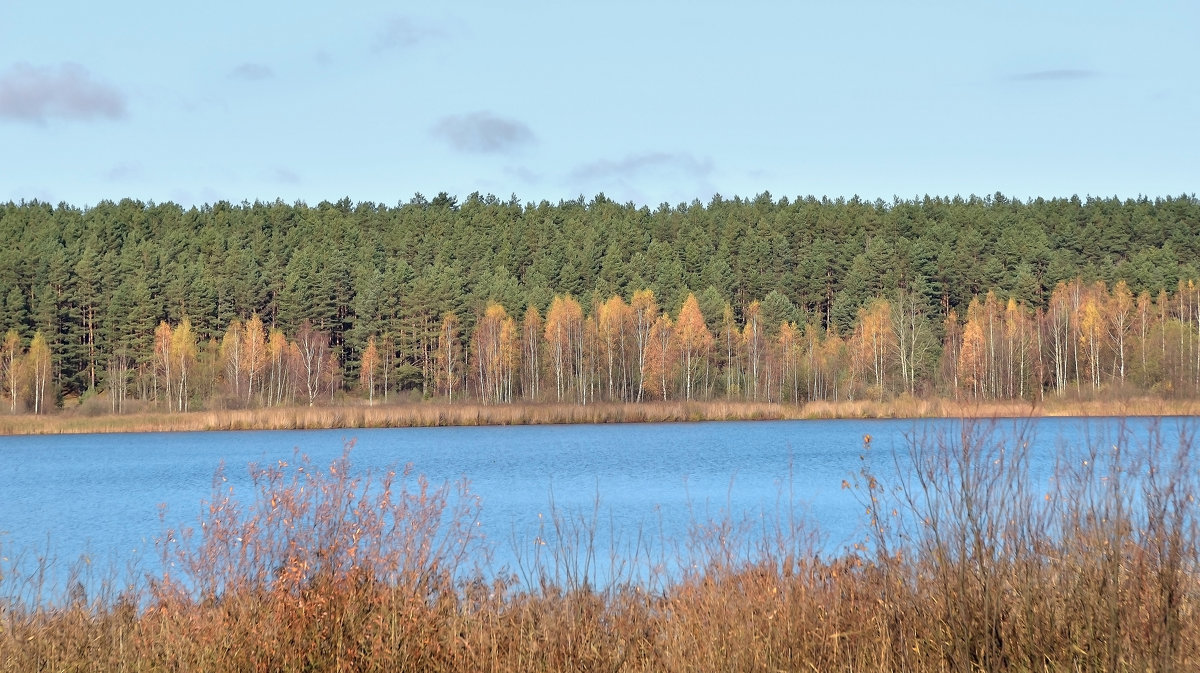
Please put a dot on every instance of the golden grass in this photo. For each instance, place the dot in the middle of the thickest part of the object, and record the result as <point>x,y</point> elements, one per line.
<point>939,407</point>
<point>433,414</point>
<point>427,414</point>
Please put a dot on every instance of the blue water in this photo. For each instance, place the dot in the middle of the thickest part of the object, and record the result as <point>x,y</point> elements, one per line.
<point>104,496</point>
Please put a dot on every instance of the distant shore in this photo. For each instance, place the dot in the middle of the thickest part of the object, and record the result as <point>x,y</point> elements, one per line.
<point>434,414</point>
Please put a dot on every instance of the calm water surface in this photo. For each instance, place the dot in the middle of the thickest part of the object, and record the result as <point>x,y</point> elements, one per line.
<point>101,495</point>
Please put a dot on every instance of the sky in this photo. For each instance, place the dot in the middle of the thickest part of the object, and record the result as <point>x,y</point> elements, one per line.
<point>648,102</point>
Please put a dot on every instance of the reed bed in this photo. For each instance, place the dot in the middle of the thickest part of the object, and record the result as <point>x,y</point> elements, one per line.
<point>432,414</point>
<point>402,415</point>
<point>968,565</point>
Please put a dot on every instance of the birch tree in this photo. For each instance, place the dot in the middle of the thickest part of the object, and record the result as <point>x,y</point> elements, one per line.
<point>645,313</point>
<point>312,345</point>
<point>531,348</point>
<point>38,365</point>
<point>164,362</point>
<point>1120,321</point>
<point>695,341</point>
<point>10,367</point>
<point>183,352</point>
<point>367,369</point>
<point>661,355</point>
<point>254,353</point>
<point>449,353</point>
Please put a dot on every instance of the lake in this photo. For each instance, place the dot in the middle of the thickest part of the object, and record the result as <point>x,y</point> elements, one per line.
<point>101,495</point>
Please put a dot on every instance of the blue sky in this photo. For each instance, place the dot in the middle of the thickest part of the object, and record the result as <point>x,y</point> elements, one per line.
<point>648,102</point>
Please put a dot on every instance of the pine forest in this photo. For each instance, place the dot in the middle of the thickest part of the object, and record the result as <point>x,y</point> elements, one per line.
<point>136,306</point>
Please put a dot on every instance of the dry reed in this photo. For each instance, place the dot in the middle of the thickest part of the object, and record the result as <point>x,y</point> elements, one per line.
<point>431,414</point>
<point>428,414</point>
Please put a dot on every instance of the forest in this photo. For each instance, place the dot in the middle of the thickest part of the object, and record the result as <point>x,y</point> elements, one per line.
<point>126,306</point>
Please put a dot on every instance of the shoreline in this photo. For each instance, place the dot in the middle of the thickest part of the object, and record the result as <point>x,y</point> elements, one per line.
<point>441,414</point>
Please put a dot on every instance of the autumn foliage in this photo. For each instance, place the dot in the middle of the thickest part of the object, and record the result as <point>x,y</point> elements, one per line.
<point>1089,341</point>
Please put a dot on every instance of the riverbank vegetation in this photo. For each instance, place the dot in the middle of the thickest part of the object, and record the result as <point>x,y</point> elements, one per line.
<point>967,563</point>
<point>441,413</point>
<point>131,307</point>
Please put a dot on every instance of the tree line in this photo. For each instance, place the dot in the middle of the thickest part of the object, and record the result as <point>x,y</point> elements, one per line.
<point>762,299</point>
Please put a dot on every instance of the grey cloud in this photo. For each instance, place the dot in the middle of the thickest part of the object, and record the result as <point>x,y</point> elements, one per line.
<point>636,164</point>
<point>403,32</point>
<point>252,72</point>
<point>37,93</point>
<point>1062,75</point>
<point>483,132</point>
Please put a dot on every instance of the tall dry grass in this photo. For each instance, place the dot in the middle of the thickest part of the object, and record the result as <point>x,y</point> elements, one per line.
<point>430,414</point>
<point>971,564</point>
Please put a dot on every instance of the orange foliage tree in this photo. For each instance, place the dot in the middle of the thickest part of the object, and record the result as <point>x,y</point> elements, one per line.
<point>660,355</point>
<point>694,339</point>
<point>368,367</point>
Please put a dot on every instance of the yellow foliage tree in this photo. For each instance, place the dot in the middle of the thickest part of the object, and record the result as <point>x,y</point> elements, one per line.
<point>183,352</point>
<point>38,365</point>
<point>531,349</point>
<point>694,339</point>
<point>231,356</point>
<point>163,361</point>
<point>613,327</point>
<point>874,342</point>
<point>564,338</point>
<point>752,339</point>
<point>645,313</point>
<point>1120,321</point>
<point>494,352</point>
<point>253,353</point>
<point>277,350</point>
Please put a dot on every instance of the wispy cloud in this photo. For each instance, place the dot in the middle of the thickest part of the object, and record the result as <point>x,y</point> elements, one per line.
<point>32,93</point>
<point>483,133</point>
<point>523,173</point>
<point>646,178</point>
<point>284,175</point>
<point>1060,75</point>
<point>252,72</point>
<point>679,163</point>
<point>123,171</point>
<point>403,32</point>
<point>190,197</point>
